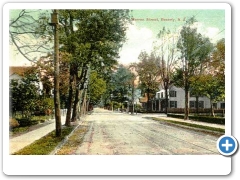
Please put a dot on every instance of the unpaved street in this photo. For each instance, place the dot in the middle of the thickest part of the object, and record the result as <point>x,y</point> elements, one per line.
<point>119,133</point>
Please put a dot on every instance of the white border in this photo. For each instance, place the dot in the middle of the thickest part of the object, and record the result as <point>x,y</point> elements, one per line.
<point>117,5</point>
<point>116,165</point>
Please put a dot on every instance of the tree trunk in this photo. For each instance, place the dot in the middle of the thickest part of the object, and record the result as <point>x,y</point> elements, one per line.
<point>78,90</point>
<point>72,76</point>
<point>148,97</point>
<point>83,109</point>
<point>70,97</point>
<point>166,99</point>
<point>197,105</point>
<point>186,87</point>
<point>186,104</point>
<point>74,113</point>
<point>56,80</point>
<point>212,109</point>
<point>132,110</point>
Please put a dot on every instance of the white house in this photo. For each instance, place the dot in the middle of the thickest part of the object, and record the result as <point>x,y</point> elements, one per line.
<point>176,100</point>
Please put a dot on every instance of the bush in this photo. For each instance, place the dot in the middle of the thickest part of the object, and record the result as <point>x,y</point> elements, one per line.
<point>208,119</point>
<point>26,122</point>
<point>13,123</point>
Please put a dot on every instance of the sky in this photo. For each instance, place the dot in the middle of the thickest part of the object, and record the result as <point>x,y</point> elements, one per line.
<point>146,24</point>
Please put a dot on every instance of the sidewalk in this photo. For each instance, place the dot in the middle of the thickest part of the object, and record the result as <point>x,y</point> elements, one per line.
<point>221,126</point>
<point>164,117</point>
<point>17,143</point>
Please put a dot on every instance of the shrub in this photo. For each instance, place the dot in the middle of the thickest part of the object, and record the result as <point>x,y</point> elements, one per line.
<point>13,123</point>
<point>26,122</point>
<point>208,119</point>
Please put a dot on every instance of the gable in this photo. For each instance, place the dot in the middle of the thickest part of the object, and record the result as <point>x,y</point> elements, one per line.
<point>20,70</point>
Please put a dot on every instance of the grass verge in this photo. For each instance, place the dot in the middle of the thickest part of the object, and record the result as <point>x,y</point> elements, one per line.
<point>73,142</point>
<point>46,144</point>
<point>18,130</point>
<point>206,128</point>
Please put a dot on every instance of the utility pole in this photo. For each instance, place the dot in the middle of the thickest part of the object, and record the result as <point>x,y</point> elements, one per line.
<point>54,23</point>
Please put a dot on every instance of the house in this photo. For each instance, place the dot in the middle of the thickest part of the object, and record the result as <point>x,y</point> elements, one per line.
<point>18,72</point>
<point>176,100</point>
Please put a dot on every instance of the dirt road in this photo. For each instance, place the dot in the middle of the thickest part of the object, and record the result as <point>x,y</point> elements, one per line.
<point>112,133</point>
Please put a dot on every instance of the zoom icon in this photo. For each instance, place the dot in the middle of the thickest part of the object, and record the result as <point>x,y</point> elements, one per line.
<point>227,145</point>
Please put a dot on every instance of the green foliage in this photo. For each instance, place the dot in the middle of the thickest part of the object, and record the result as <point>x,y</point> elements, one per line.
<point>214,88</point>
<point>18,130</point>
<point>116,105</point>
<point>217,73</point>
<point>48,103</point>
<point>194,48</point>
<point>149,72</point>
<point>23,93</point>
<point>120,84</point>
<point>177,78</point>
<point>24,122</point>
<point>97,88</point>
<point>93,36</point>
<point>197,85</point>
<point>44,104</point>
<point>210,81</point>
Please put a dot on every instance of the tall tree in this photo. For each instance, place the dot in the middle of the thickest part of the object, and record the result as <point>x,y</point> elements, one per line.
<point>165,49</point>
<point>194,49</point>
<point>149,74</point>
<point>119,85</point>
<point>217,64</point>
<point>92,37</point>
<point>215,75</point>
<point>97,87</point>
<point>55,24</point>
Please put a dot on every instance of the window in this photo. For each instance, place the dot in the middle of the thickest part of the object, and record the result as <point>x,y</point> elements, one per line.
<point>173,93</point>
<point>173,104</point>
<point>192,104</point>
<point>215,105</point>
<point>222,105</point>
<point>201,104</point>
<point>161,94</point>
<point>158,95</point>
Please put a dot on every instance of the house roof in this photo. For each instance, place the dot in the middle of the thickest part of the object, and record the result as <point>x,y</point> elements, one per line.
<point>20,70</point>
